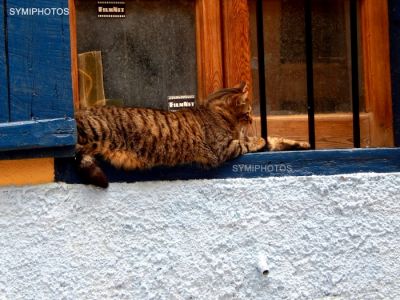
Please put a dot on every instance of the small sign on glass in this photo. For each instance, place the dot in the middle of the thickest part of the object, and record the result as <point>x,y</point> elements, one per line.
<point>111,9</point>
<point>180,102</point>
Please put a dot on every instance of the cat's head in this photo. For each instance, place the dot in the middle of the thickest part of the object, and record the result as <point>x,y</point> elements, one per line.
<point>234,101</point>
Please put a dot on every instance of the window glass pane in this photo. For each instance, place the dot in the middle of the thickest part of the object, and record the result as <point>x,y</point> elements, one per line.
<point>332,56</point>
<point>147,56</point>
<point>284,43</point>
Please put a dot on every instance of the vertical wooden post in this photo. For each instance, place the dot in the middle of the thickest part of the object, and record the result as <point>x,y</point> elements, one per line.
<point>236,42</point>
<point>209,47</point>
<point>376,61</point>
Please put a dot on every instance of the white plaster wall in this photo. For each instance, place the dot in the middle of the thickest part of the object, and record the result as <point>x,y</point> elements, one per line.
<point>335,237</point>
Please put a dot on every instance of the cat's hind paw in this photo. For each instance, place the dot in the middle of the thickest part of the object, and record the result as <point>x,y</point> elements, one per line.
<point>90,172</point>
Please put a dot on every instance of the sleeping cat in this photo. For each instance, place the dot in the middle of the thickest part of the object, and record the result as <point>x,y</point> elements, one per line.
<point>141,138</point>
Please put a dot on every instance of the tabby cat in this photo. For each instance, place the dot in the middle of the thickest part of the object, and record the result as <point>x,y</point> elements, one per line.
<point>141,138</point>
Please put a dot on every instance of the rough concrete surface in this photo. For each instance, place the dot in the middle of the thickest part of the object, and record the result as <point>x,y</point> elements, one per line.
<point>333,237</point>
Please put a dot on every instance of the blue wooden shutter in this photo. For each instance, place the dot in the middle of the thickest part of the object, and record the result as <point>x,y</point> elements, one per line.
<point>36,105</point>
<point>4,111</point>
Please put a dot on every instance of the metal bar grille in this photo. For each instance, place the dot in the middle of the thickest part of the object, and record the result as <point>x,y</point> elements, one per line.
<point>261,68</point>
<point>354,74</point>
<point>308,20</point>
<point>310,72</point>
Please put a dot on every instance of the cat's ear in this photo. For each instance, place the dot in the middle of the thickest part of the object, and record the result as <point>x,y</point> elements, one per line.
<point>242,99</point>
<point>244,90</point>
<point>243,87</point>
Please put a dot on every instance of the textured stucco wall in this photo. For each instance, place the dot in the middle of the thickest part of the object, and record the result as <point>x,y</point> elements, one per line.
<point>335,237</point>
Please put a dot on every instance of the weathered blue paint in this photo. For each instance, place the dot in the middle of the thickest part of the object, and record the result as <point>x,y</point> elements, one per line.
<point>394,19</point>
<point>299,163</point>
<point>36,111</point>
<point>37,134</point>
<point>4,111</point>
<point>39,62</point>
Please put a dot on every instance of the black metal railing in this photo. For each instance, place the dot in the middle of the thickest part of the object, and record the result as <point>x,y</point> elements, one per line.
<point>308,18</point>
<point>354,73</point>
<point>261,68</point>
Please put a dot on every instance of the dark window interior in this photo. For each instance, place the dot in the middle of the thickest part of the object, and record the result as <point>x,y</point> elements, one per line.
<point>285,56</point>
<point>147,56</point>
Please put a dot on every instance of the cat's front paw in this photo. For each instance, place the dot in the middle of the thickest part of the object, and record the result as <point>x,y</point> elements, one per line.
<point>261,143</point>
<point>256,143</point>
<point>304,145</point>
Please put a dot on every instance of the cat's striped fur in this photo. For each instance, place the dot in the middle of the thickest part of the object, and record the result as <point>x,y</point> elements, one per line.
<point>141,138</point>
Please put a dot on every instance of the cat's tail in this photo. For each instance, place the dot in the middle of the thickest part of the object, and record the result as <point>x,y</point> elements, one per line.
<point>90,172</point>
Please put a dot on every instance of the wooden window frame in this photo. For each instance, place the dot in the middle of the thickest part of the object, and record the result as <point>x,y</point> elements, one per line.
<point>223,61</point>
<point>224,24</point>
<point>209,58</point>
<point>332,130</point>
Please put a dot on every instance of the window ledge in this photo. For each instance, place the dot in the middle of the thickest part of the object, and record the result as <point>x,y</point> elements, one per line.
<point>263,164</point>
<point>36,134</point>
